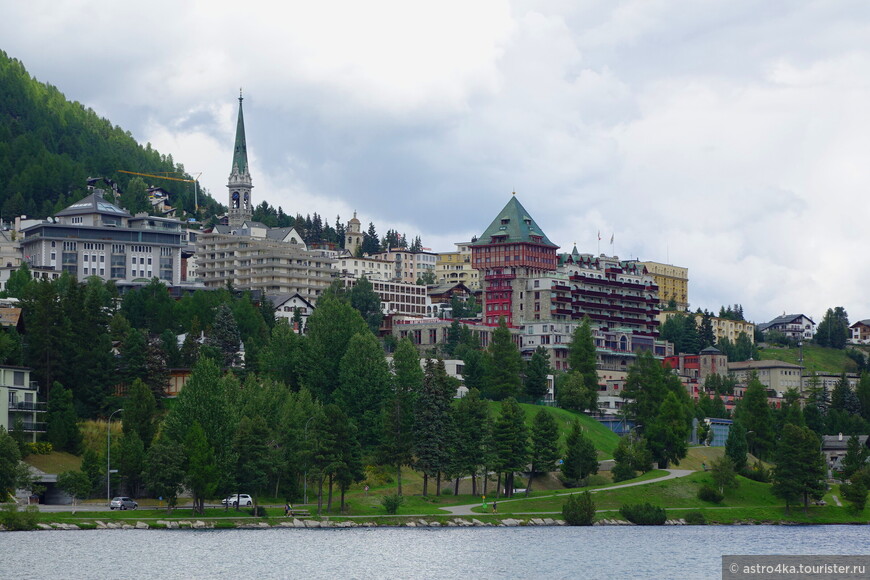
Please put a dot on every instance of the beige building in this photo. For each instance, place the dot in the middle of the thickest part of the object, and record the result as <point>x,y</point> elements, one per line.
<point>408,266</point>
<point>455,267</point>
<point>254,257</point>
<point>372,268</point>
<point>722,327</point>
<point>18,400</point>
<point>773,374</point>
<point>673,282</point>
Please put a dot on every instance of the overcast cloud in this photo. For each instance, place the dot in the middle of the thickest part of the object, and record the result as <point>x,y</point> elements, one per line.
<point>730,137</point>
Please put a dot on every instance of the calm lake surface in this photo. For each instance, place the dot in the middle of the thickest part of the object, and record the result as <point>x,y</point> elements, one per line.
<point>469,553</point>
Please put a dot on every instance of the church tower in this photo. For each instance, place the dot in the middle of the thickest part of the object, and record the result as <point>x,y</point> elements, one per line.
<point>354,236</point>
<point>240,186</point>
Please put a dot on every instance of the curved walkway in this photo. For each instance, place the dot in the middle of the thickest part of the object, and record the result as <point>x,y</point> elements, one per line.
<point>465,510</point>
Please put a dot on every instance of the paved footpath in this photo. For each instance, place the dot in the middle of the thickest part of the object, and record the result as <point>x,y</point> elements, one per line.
<point>465,510</point>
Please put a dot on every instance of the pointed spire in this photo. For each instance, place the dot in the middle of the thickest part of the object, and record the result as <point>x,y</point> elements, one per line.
<point>240,154</point>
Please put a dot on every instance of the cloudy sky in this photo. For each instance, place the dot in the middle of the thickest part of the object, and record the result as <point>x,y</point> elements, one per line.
<point>730,137</point>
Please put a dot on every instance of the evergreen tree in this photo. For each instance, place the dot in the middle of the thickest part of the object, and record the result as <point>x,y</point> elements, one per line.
<point>471,422</point>
<point>19,280</point>
<point>855,458</point>
<point>398,423</point>
<point>706,336</point>
<point>224,336</point>
<point>843,398</point>
<point>364,384</point>
<point>281,357</point>
<point>691,339</point>
<point>432,423</point>
<point>250,446</point>
<point>754,413</point>
<point>368,303</point>
<point>504,379</point>
<point>545,445</point>
<point>581,355</point>
<point>164,470</point>
<point>573,394</point>
<point>140,412</point>
<point>133,362</point>
<point>511,441</point>
<point>62,429</point>
<point>537,370</point>
<point>201,474</point>
<point>800,467</point>
<point>131,462</point>
<point>833,331</point>
<point>736,447</point>
<point>581,458</point>
<point>862,390</point>
<point>658,404</point>
<point>347,467</point>
<point>328,333</point>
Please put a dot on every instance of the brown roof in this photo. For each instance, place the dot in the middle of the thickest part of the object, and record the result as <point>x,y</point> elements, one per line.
<point>10,316</point>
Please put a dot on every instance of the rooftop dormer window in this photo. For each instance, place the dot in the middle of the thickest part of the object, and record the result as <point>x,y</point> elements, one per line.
<point>505,221</point>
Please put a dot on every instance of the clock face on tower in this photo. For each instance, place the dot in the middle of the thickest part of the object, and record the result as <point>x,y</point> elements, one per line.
<point>235,200</point>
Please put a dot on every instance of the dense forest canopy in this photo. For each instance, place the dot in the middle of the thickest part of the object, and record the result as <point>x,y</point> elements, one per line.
<point>50,146</point>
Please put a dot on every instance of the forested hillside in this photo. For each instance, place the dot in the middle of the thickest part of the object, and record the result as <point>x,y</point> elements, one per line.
<point>49,146</point>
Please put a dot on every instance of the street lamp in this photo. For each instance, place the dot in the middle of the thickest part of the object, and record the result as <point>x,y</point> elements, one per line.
<point>109,457</point>
<point>305,483</point>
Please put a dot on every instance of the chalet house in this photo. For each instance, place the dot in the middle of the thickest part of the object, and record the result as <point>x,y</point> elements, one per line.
<point>793,326</point>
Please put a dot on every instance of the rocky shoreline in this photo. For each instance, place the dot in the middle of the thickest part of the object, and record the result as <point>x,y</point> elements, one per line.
<point>297,523</point>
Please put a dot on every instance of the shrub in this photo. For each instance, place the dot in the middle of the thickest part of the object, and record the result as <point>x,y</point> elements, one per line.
<point>392,503</point>
<point>40,448</point>
<point>856,494</point>
<point>15,520</point>
<point>695,518</point>
<point>622,472</point>
<point>707,493</point>
<point>447,491</point>
<point>579,510</point>
<point>757,473</point>
<point>644,514</point>
<point>259,512</point>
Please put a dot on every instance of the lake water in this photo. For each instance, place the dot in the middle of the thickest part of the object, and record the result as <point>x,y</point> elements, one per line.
<point>682,552</point>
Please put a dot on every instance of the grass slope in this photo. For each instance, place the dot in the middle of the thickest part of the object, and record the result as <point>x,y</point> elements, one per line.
<point>816,358</point>
<point>55,462</point>
<point>604,439</point>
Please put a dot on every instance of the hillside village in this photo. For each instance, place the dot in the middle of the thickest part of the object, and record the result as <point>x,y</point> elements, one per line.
<point>510,281</point>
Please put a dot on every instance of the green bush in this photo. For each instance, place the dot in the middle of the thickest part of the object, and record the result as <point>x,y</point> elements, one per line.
<point>392,503</point>
<point>757,473</point>
<point>447,491</point>
<point>259,512</point>
<point>855,494</point>
<point>707,493</point>
<point>40,448</point>
<point>623,471</point>
<point>644,514</point>
<point>695,518</point>
<point>15,520</point>
<point>579,510</point>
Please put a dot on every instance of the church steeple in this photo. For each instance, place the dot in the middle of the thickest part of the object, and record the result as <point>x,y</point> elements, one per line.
<point>240,186</point>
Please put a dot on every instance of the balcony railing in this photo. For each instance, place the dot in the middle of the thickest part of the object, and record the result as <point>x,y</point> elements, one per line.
<point>25,406</point>
<point>34,427</point>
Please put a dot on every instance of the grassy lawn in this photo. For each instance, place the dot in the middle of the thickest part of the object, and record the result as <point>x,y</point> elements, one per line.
<point>816,358</point>
<point>604,439</point>
<point>55,462</point>
<point>549,501</point>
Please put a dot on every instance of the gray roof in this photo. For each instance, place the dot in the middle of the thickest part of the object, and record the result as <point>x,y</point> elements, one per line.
<point>93,203</point>
<point>784,319</point>
<point>833,442</point>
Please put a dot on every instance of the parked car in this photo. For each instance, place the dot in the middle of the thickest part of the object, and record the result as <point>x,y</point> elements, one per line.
<point>237,500</point>
<point>122,503</point>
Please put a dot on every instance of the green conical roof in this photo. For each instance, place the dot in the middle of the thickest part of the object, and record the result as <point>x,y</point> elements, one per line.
<point>240,154</point>
<point>513,224</point>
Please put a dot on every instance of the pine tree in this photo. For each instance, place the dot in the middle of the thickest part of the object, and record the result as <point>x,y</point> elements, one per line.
<point>364,384</point>
<point>735,446</point>
<point>140,412</point>
<point>201,473</point>
<point>545,445</point>
<point>224,336</point>
<point>131,461</point>
<point>398,420</point>
<point>62,421</point>
<point>164,470</point>
<point>367,302</point>
<point>511,442</point>
<point>800,467</point>
<point>471,422</point>
<point>581,458</point>
<point>537,370</point>
<point>754,413</point>
<point>504,378</point>
<point>432,423</point>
